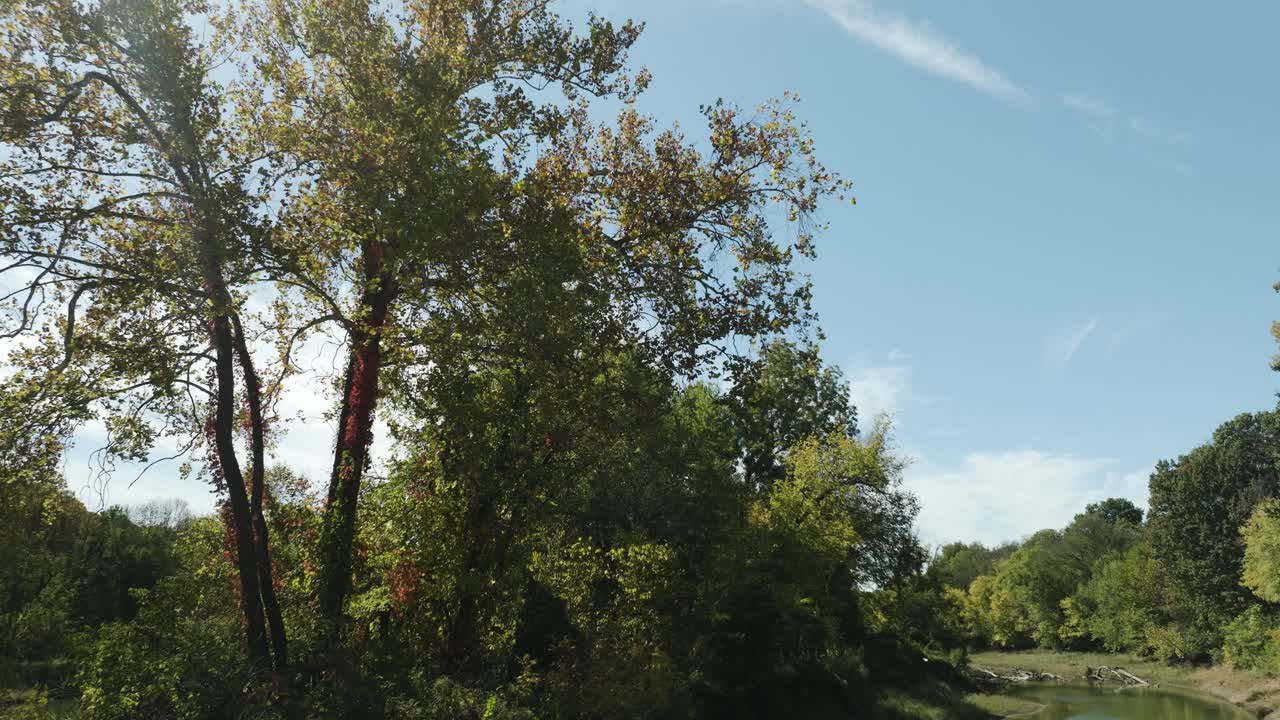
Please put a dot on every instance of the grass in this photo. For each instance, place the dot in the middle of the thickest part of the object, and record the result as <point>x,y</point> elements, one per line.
<point>1256,692</point>
<point>51,710</point>
<point>1002,706</point>
<point>1071,665</point>
<point>896,705</point>
<point>930,699</point>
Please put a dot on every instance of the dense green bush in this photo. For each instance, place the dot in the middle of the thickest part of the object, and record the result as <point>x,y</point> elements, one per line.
<point>1261,536</point>
<point>1252,641</point>
<point>180,656</point>
<point>1122,601</point>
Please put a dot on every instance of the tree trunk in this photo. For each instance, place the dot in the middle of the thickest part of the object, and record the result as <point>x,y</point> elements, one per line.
<point>223,425</point>
<point>355,434</point>
<point>257,490</point>
<point>487,536</point>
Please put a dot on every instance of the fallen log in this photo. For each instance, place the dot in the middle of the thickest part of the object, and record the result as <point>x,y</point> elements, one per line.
<point>1104,674</point>
<point>1017,675</point>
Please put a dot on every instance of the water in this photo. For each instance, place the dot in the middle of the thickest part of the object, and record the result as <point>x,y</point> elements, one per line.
<point>1080,702</point>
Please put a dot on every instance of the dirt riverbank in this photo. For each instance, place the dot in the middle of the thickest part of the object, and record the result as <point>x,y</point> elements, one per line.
<point>1258,693</point>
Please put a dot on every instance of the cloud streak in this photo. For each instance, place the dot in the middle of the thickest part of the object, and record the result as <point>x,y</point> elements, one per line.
<point>919,46</point>
<point>1061,347</point>
<point>1109,121</point>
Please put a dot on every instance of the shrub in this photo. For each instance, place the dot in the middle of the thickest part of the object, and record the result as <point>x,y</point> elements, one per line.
<point>1252,641</point>
<point>1180,643</point>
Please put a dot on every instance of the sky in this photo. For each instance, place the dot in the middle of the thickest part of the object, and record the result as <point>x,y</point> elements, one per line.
<point>1059,267</point>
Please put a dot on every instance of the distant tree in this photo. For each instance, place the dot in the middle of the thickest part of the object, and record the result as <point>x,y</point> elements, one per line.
<point>958,564</point>
<point>1116,510</point>
<point>173,513</point>
<point>1123,600</point>
<point>114,558</point>
<point>780,398</point>
<point>1199,502</point>
<point>41,526</point>
<point>1026,596</point>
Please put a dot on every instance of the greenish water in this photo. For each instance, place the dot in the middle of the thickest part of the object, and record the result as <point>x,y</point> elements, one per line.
<point>1080,702</point>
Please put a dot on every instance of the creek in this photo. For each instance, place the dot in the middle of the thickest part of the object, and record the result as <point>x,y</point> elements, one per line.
<point>1083,702</point>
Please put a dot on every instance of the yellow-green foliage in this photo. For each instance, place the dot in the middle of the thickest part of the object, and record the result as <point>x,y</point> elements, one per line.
<point>1262,551</point>
<point>1074,628</point>
<point>811,502</point>
<point>1252,641</point>
<point>615,600</point>
<point>640,572</point>
<point>805,521</point>
<point>992,611</point>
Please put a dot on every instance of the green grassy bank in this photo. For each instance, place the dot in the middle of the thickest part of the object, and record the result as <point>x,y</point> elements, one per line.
<point>950,705</point>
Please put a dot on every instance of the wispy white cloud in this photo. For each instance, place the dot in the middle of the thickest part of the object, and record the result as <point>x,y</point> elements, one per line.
<point>1006,495</point>
<point>1060,347</point>
<point>1106,119</point>
<point>1097,113</point>
<point>877,390</point>
<point>1146,128</point>
<point>1132,329</point>
<point>918,45</point>
<point>995,495</point>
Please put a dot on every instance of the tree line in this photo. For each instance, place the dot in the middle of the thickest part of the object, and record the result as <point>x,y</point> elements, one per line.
<point>1196,580</point>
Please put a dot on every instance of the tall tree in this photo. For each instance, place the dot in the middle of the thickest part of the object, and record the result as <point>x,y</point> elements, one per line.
<point>419,148</point>
<point>128,226</point>
<point>1199,502</point>
<point>398,113</point>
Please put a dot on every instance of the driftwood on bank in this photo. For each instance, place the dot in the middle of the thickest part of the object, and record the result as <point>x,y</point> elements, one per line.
<point>1018,675</point>
<point>1015,675</point>
<point>1104,674</point>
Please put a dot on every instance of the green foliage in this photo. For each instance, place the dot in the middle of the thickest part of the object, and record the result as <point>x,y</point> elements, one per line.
<point>180,657</point>
<point>1116,511</point>
<point>571,525</point>
<point>1170,588</point>
<point>1028,598</point>
<point>781,398</point>
<point>1261,536</point>
<point>959,564</point>
<point>1252,641</point>
<point>444,699</point>
<point>1121,604</point>
<point>1198,505</point>
<point>1175,642</point>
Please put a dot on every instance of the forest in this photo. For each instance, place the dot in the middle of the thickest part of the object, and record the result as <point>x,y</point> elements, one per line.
<point>623,482</point>
<point>1196,580</point>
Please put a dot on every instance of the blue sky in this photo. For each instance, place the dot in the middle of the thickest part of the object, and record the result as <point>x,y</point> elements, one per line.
<point>1059,269</point>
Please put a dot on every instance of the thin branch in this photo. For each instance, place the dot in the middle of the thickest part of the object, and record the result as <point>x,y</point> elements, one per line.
<point>68,335</point>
